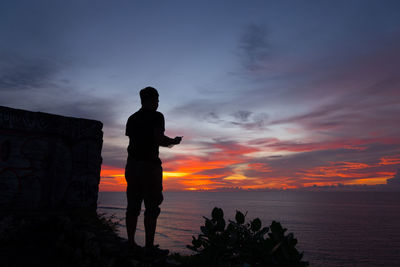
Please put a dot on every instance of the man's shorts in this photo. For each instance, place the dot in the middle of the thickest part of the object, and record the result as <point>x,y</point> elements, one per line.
<point>144,184</point>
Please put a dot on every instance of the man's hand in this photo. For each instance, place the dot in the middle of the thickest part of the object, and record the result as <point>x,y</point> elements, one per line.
<point>178,140</point>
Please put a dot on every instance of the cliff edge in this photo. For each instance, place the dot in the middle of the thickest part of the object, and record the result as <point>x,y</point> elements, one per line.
<point>48,162</point>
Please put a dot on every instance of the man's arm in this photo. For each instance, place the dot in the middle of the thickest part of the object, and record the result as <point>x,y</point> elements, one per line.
<point>161,139</point>
<point>164,140</point>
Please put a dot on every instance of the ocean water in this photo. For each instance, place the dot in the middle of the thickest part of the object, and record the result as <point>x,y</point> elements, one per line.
<point>332,228</point>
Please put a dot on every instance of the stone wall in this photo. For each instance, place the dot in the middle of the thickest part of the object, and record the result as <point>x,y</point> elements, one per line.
<point>48,161</point>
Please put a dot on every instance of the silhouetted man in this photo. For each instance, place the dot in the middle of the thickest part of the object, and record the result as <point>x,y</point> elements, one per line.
<point>143,171</point>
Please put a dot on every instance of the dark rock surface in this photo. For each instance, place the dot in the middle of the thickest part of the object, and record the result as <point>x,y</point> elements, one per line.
<point>63,239</point>
<point>49,181</point>
<point>48,161</point>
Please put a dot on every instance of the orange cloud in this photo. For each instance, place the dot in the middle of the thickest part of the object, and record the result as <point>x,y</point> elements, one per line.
<point>261,167</point>
<point>351,172</point>
<point>112,179</point>
<point>390,160</point>
<point>230,166</point>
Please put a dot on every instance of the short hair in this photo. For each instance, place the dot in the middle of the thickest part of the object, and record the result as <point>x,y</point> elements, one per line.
<point>148,93</point>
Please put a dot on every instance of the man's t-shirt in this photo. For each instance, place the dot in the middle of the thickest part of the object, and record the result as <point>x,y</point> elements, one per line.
<point>142,128</point>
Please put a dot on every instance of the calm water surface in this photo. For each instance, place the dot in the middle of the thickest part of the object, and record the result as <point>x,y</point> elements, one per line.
<point>332,228</point>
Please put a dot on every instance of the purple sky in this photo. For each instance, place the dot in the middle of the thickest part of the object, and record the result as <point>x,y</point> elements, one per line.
<point>283,93</point>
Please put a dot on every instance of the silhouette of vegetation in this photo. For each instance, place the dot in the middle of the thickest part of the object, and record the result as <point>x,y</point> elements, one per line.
<point>62,239</point>
<point>243,244</point>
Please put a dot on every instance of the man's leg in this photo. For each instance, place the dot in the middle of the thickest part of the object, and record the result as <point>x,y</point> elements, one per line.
<point>132,212</point>
<point>131,223</point>
<point>150,217</point>
<point>150,224</point>
<point>153,198</point>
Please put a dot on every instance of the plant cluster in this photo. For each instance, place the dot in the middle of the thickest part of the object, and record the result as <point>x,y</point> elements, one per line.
<point>62,239</point>
<point>243,244</point>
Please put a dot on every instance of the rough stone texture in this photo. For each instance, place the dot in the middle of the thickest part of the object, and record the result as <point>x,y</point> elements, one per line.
<point>48,161</point>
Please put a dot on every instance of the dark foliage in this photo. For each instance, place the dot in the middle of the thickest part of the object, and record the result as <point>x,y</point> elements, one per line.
<point>243,244</point>
<point>62,239</point>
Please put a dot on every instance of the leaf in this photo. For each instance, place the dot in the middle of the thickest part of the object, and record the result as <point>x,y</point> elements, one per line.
<point>196,242</point>
<point>220,225</point>
<point>217,214</point>
<point>239,217</point>
<point>256,225</point>
<point>204,230</point>
<point>209,225</point>
<point>264,231</point>
<point>276,229</point>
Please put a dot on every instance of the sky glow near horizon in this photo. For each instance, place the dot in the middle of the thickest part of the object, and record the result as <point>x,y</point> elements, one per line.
<point>277,94</point>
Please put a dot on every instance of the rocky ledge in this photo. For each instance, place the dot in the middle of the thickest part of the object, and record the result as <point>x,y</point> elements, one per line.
<point>78,238</point>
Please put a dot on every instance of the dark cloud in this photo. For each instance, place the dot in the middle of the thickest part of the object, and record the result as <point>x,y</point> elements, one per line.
<point>212,117</point>
<point>114,155</point>
<point>216,113</point>
<point>86,106</point>
<point>244,119</point>
<point>258,121</point>
<point>366,73</point>
<point>353,114</point>
<point>242,115</point>
<point>36,81</point>
<point>18,73</point>
<point>199,109</point>
<point>254,46</point>
<point>348,94</point>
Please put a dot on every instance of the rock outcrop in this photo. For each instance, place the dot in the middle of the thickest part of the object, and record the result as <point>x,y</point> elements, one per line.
<point>48,161</point>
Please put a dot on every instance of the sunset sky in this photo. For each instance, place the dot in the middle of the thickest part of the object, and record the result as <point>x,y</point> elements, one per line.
<point>277,94</point>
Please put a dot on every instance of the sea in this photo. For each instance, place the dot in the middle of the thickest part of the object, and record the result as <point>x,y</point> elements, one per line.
<point>332,228</point>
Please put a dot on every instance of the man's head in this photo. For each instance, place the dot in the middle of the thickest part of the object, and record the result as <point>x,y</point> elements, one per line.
<point>149,98</point>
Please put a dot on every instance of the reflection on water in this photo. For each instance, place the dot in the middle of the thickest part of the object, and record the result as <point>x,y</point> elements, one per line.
<point>333,228</point>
